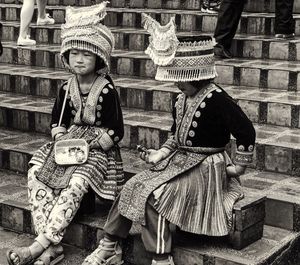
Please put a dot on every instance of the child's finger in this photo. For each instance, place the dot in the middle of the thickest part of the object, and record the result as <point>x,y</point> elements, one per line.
<point>142,155</point>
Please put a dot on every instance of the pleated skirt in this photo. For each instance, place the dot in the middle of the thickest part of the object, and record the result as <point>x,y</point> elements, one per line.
<point>201,200</point>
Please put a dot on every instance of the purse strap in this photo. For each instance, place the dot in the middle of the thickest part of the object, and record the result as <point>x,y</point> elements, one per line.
<point>64,104</point>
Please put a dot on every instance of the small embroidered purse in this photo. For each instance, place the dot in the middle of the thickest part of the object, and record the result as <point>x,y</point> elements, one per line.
<point>71,151</point>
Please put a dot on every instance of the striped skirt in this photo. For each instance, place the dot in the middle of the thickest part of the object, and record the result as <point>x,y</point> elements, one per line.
<point>201,200</point>
<point>103,169</point>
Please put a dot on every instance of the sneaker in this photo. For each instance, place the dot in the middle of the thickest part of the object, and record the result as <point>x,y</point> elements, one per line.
<point>26,41</point>
<point>45,21</point>
<point>285,36</point>
<point>221,52</point>
<point>209,10</point>
<point>168,261</point>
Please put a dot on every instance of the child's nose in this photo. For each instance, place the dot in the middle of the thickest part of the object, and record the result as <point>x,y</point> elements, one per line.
<point>79,58</point>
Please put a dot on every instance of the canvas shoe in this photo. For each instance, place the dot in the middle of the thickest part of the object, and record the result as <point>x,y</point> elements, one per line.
<point>285,36</point>
<point>45,21</point>
<point>26,41</point>
<point>209,10</point>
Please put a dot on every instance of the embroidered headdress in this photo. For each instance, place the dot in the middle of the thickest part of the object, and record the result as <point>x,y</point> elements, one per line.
<point>179,60</point>
<point>83,30</point>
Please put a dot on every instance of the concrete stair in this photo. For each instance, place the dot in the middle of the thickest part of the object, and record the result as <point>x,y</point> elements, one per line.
<point>252,6</point>
<point>87,230</point>
<point>239,71</point>
<point>263,79</point>
<point>187,20</point>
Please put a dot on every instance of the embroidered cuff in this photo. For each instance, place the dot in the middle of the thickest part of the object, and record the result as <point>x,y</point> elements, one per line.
<point>243,158</point>
<point>105,141</point>
<point>57,130</point>
<point>170,144</point>
<point>165,151</point>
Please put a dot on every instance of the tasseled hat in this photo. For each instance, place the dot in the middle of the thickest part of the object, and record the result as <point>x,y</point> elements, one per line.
<point>179,60</point>
<point>83,30</point>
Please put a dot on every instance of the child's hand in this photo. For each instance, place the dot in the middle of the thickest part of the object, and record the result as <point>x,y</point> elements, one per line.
<point>57,136</point>
<point>235,170</point>
<point>152,156</point>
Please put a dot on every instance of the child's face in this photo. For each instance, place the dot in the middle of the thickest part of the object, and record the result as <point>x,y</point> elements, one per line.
<point>187,88</point>
<point>82,62</point>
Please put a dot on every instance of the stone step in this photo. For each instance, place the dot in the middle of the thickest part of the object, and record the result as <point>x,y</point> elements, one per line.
<point>244,46</point>
<point>277,244</point>
<point>12,240</point>
<point>277,148</point>
<point>261,105</point>
<point>239,71</point>
<point>251,6</point>
<point>282,192</point>
<point>186,20</point>
<point>248,223</point>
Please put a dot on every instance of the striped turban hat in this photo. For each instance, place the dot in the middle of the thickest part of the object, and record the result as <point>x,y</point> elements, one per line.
<point>179,59</point>
<point>83,30</point>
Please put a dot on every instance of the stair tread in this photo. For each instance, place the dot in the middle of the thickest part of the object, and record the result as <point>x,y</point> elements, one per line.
<point>265,64</point>
<point>42,104</point>
<point>11,240</point>
<point>155,10</point>
<point>273,240</point>
<point>126,29</point>
<point>13,192</point>
<point>276,185</point>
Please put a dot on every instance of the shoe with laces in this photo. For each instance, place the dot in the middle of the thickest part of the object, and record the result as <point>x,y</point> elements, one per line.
<point>168,261</point>
<point>45,21</point>
<point>285,36</point>
<point>26,41</point>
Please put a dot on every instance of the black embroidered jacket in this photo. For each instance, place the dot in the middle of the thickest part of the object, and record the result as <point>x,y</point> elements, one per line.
<point>208,122</point>
<point>100,108</point>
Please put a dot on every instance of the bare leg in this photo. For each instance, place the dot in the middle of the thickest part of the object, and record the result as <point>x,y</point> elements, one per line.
<point>26,17</point>
<point>41,4</point>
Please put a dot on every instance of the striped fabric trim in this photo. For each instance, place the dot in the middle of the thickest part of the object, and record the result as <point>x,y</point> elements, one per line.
<point>161,244</point>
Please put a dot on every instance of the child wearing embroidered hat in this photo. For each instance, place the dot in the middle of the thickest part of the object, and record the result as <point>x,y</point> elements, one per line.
<point>89,107</point>
<point>193,183</point>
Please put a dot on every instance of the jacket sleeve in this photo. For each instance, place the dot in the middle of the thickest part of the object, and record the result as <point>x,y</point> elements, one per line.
<point>111,118</point>
<point>240,127</point>
<point>171,143</point>
<point>56,112</point>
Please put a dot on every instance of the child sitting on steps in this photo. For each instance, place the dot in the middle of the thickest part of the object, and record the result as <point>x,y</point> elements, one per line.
<point>193,183</point>
<point>89,108</point>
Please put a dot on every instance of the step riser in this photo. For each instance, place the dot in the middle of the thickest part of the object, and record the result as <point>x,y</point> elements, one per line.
<point>258,112</point>
<point>266,157</point>
<point>252,6</point>
<point>255,24</point>
<point>256,49</point>
<point>126,65</point>
<point>282,214</point>
<point>15,217</point>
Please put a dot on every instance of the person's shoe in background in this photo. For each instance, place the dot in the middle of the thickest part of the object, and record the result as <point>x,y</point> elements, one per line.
<point>209,10</point>
<point>285,36</point>
<point>26,41</point>
<point>45,21</point>
<point>210,7</point>
<point>221,52</point>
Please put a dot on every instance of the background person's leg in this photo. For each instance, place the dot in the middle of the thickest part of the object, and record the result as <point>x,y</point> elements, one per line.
<point>284,21</point>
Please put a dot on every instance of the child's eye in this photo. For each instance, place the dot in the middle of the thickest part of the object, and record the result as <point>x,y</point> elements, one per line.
<point>87,54</point>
